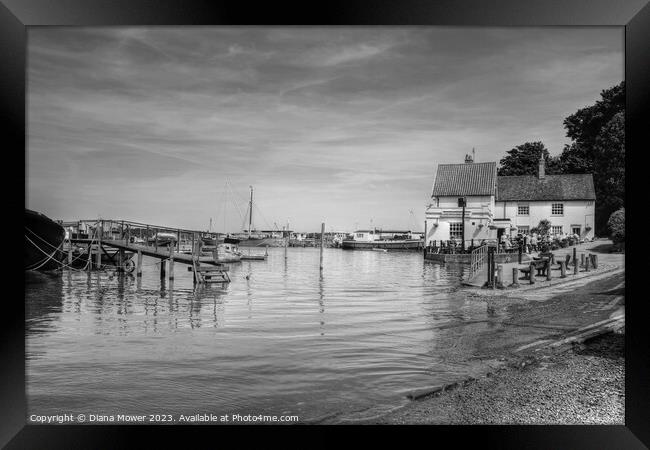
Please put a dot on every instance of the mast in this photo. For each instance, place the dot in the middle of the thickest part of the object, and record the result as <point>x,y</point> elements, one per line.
<point>250,215</point>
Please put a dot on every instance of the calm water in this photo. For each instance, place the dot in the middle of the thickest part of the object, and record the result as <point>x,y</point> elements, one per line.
<point>283,341</point>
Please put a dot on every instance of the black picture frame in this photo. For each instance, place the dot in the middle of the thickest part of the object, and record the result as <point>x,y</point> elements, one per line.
<point>634,15</point>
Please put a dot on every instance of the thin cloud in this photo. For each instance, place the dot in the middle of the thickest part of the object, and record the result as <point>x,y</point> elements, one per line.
<point>337,124</point>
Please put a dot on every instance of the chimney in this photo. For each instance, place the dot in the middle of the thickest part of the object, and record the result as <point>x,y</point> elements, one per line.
<point>540,172</point>
<point>469,158</point>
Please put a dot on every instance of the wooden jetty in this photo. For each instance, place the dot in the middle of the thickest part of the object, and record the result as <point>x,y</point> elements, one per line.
<point>142,240</point>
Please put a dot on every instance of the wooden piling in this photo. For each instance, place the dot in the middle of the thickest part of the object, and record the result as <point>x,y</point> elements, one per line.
<point>582,259</point>
<point>575,265</point>
<point>322,243</point>
<point>562,269</point>
<point>98,263</point>
<point>139,264</point>
<point>548,268</point>
<point>587,263</point>
<point>500,275</point>
<point>70,254</point>
<point>171,263</point>
<point>594,261</point>
<point>120,260</point>
<point>162,269</point>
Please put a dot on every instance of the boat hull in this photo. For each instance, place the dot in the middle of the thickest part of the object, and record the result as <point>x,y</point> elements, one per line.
<point>45,235</point>
<point>265,242</point>
<point>403,244</point>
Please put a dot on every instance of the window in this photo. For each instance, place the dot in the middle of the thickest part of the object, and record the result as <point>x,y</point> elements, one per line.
<point>359,235</point>
<point>456,230</point>
<point>557,209</point>
<point>556,229</point>
<point>575,229</point>
<point>523,229</point>
<point>523,210</point>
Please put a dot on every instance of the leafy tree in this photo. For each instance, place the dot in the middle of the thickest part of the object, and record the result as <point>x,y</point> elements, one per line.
<point>543,227</point>
<point>598,147</point>
<point>616,226</point>
<point>524,160</point>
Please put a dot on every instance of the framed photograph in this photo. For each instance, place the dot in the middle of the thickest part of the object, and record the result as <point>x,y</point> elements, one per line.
<point>362,215</point>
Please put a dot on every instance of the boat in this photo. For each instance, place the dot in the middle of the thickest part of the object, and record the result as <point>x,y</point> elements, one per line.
<point>264,238</point>
<point>43,242</point>
<point>377,239</point>
<point>224,252</point>
<point>163,239</point>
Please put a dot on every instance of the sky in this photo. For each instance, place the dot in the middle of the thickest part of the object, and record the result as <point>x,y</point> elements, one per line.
<point>341,125</point>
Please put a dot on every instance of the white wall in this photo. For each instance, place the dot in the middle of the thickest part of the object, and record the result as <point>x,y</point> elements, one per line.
<point>576,212</point>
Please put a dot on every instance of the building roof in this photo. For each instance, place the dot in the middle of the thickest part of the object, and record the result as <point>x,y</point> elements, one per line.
<point>465,179</point>
<point>551,187</point>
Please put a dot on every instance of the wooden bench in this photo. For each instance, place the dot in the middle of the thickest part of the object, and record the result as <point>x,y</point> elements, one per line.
<point>541,265</point>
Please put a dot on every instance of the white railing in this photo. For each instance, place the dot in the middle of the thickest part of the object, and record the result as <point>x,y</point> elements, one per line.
<point>478,258</point>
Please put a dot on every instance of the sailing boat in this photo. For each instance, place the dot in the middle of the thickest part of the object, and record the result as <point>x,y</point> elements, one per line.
<point>254,238</point>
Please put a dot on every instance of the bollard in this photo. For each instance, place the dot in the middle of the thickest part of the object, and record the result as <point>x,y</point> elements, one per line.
<point>532,273</point>
<point>594,261</point>
<point>515,281</point>
<point>552,258</point>
<point>500,276</point>
<point>521,251</point>
<point>562,269</point>
<point>548,269</point>
<point>582,259</point>
<point>575,260</point>
<point>587,263</point>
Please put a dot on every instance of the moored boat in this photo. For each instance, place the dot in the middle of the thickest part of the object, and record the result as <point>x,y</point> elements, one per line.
<point>376,239</point>
<point>43,242</point>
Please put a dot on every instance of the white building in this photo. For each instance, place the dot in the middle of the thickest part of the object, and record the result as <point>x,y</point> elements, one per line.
<point>496,205</point>
<point>567,201</point>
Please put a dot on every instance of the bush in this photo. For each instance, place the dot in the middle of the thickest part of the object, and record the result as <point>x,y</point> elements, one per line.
<point>616,226</point>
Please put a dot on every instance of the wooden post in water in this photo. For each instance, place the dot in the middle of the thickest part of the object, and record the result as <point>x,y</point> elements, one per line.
<point>120,260</point>
<point>162,269</point>
<point>178,241</point>
<point>171,263</point>
<point>99,246</point>
<point>425,239</point>
<point>138,272</point>
<point>322,243</point>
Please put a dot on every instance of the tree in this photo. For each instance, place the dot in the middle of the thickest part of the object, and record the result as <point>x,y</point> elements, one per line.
<point>616,226</point>
<point>524,160</point>
<point>598,147</point>
<point>543,227</point>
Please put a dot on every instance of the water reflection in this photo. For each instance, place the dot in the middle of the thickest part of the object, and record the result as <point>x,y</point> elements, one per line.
<point>282,332</point>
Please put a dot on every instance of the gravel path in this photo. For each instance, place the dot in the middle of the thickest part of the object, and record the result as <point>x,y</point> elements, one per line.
<point>581,385</point>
